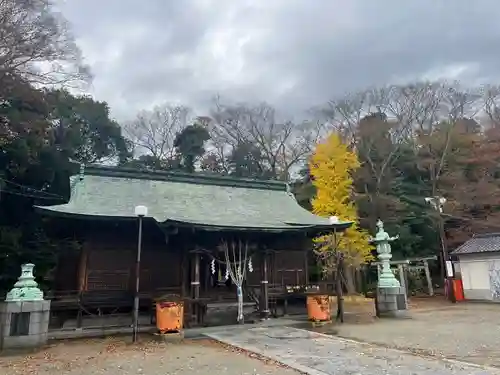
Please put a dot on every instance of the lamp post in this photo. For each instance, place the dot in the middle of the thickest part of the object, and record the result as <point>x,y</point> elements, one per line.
<point>437,204</point>
<point>339,267</point>
<point>140,212</point>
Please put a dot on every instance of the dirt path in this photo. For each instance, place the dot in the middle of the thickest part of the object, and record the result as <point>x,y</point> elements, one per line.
<point>116,357</point>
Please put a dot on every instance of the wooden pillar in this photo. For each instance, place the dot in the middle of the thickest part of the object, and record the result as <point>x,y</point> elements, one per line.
<point>428,278</point>
<point>402,278</point>
<point>82,279</point>
<point>407,283</point>
<point>195,286</point>
<point>264,286</point>
<point>195,276</point>
<point>184,274</point>
<point>306,267</point>
<point>206,276</point>
<point>82,269</point>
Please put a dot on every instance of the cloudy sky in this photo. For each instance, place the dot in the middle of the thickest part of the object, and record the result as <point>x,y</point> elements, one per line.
<point>291,53</point>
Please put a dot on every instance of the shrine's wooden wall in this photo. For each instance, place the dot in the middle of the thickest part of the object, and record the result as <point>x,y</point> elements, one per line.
<point>286,267</point>
<point>65,278</point>
<point>107,262</point>
<point>106,266</point>
<point>111,266</point>
<point>289,268</point>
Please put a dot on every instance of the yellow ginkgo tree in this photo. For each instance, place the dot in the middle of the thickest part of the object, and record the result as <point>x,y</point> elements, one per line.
<point>331,168</point>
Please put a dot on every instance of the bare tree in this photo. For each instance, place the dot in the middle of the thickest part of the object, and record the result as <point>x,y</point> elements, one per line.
<point>492,105</point>
<point>453,107</point>
<point>343,115</point>
<point>36,44</point>
<point>408,111</point>
<point>441,143</point>
<point>283,144</point>
<point>153,132</point>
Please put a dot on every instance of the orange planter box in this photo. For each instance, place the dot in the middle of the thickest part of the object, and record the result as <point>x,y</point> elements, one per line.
<point>169,316</point>
<point>318,308</point>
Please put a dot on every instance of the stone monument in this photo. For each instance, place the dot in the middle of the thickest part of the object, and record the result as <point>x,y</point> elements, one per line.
<point>391,297</point>
<point>24,315</point>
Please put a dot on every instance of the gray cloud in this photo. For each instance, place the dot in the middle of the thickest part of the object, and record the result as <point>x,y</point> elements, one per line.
<point>292,53</point>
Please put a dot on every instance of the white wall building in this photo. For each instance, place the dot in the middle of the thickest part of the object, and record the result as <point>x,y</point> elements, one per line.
<point>479,266</point>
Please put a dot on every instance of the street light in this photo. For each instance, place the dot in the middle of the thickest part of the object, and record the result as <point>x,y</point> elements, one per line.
<point>338,282</point>
<point>437,204</point>
<point>333,220</point>
<point>140,212</point>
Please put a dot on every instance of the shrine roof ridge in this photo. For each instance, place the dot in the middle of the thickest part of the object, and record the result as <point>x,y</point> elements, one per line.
<point>200,178</point>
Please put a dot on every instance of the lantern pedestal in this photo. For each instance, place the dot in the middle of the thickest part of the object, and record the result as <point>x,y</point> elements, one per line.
<point>392,302</point>
<point>24,316</point>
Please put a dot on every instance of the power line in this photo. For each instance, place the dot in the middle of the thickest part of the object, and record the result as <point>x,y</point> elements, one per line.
<point>30,189</point>
<point>29,195</point>
<point>45,195</point>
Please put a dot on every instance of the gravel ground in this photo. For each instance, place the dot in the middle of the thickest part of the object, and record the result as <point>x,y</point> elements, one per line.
<point>468,332</point>
<point>116,357</point>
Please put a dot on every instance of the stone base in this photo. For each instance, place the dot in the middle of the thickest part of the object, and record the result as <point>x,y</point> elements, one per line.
<point>169,337</point>
<point>392,302</point>
<point>225,313</point>
<point>24,325</point>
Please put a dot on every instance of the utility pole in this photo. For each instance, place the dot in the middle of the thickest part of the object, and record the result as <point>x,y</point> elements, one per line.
<point>437,204</point>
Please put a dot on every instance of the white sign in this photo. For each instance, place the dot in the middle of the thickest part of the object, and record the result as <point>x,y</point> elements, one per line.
<point>449,268</point>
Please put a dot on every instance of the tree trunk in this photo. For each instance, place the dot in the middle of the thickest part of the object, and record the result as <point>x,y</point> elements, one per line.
<point>240,304</point>
<point>349,279</point>
<point>359,279</point>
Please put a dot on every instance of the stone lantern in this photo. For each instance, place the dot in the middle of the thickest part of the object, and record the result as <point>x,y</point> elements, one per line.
<point>391,297</point>
<point>24,316</point>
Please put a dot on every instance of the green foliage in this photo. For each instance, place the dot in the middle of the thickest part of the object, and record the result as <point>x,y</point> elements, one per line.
<point>83,129</point>
<point>190,145</point>
<point>303,188</point>
<point>30,243</point>
<point>41,132</point>
<point>246,160</point>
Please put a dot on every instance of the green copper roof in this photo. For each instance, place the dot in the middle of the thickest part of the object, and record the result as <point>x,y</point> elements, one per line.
<point>191,199</point>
